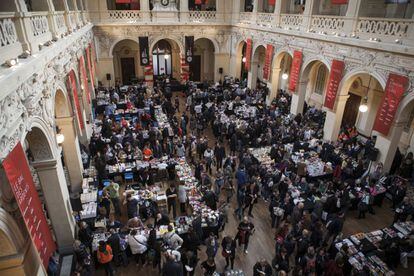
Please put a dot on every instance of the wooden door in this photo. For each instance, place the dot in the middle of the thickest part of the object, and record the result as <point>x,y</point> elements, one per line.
<point>351,110</point>
<point>128,69</point>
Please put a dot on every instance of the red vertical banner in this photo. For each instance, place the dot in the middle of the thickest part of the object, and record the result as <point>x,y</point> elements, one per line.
<point>73,88</point>
<point>89,61</point>
<point>268,61</point>
<point>335,77</point>
<point>21,182</point>
<point>82,70</point>
<point>295,70</point>
<point>394,90</point>
<point>271,2</point>
<point>339,2</point>
<point>249,45</point>
<point>93,62</point>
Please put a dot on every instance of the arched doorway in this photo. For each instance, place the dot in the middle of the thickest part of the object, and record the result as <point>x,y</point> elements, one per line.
<point>355,89</point>
<point>203,64</point>
<point>280,73</point>
<point>166,59</point>
<point>49,178</point>
<point>71,155</point>
<point>365,89</point>
<point>308,89</point>
<point>256,69</point>
<point>126,61</point>
<point>241,72</point>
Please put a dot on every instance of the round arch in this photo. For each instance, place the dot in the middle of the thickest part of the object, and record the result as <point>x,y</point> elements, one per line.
<point>240,49</point>
<point>172,40</point>
<point>39,141</point>
<point>281,63</point>
<point>203,66</point>
<point>61,104</point>
<point>11,235</point>
<point>258,60</point>
<point>111,49</point>
<point>177,54</point>
<point>314,78</point>
<point>126,61</point>
<point>212,40</point>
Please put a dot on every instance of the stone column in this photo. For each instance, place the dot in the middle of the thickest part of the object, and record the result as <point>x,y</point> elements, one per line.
<point>71,152</point>
<point>366,120</point>
<point>252,75</point>
<point>55,191</point>
<point>274,85</point>
<point>236,11</point>
<point>298,98</point>
<point>277,12</point>
<point>351,16</point>
<point>307,15</point>
<point>333,119</point>
<point>387,145</point>
<point>144,6</point>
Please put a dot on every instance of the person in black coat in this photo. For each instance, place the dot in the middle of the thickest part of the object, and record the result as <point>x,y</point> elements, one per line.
<point>219,154</point>
<point>115,242</point>
<point>229,251</point>
<point>162,219</point>
<point>172,266</point>
<point>262,268</point>
<point>189,262</point>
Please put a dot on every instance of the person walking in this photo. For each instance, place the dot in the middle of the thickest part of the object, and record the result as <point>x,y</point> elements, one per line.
<point>228,245</point>
<point>245,230</point>
<point>171,194</point>
<point>113,191</point>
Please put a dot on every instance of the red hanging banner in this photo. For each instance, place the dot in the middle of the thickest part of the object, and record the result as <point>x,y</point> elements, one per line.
<point>93,61</point>
<point>268,61</point>
<point>271,2</point>
<point>21,182</point>
<point>295,70</point>
<point>72,86</point>
<point>335,77</point>
<point>394,90</point>
<point>248,54</point>
<point>339,2</point>
<point>122,1</point>
<point>84,78</point>
<point>88,60</point>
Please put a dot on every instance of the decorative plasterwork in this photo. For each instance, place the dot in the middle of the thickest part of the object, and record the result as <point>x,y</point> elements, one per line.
<point>33,97</point>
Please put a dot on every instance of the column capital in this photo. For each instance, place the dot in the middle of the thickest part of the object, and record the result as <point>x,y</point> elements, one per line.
<point>45,165</point>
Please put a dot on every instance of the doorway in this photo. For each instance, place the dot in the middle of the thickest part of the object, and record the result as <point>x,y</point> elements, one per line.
<point>128,69</point>
<point>195,68</point>
<point>351,110</point>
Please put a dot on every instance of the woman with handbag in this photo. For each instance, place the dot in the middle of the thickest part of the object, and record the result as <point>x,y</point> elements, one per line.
<point>229,251</point>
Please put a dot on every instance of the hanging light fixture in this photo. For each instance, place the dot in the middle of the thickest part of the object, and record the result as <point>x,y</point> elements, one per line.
<point>166,56</point>
<point>285,76</point>
<point>244,59</point>
<point>60,138</point>
<point>364,106</point>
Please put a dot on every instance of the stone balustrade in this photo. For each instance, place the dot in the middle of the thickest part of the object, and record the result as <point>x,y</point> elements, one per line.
<point>291,21</point>
<point>327,24</point>
<point>10,47</point>
<point>60,24</point>
<point>265,19</point>
<point>384,29</point>
<point>246,18</point>
<point>202,16</point>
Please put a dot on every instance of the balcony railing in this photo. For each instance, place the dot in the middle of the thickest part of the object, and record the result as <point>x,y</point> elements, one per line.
<point>202,16</point>
<point>332,24</point>
<point>246,17</point>
<point>39,23</point>
<point>10,47</point>
<point>124,16</point>
<point>59,17</point>
<point>265,19</point>
<point>293,21</point>
<point>383,28</point>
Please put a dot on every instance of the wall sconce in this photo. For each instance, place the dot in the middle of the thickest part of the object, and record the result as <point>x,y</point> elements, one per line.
<point>11,62</point>
<point>364,107</point>
<point>60,138</point>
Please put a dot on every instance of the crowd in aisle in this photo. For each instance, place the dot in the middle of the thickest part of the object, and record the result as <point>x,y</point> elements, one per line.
<point>150,154</point>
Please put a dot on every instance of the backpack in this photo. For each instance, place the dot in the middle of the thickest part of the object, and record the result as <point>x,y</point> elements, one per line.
<point>151,254</point>
<point>123,244</point>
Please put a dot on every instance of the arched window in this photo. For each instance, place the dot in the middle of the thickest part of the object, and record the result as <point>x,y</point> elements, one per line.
<point>320,80</point>
<point>161,58</point>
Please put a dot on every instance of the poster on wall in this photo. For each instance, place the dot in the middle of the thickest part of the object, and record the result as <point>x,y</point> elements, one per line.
<point>74,89</point>
<point>144,56</point>
<point>268,61</point>
<point>295,70</point>
<point>335,77</point>
<point>82,70</point>
<point>21,182</point>
<point>249,45</point>
<point>189,49</point>
<point>394,90</point>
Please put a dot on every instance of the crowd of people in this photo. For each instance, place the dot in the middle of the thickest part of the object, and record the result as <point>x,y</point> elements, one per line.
<point>309,185</point>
